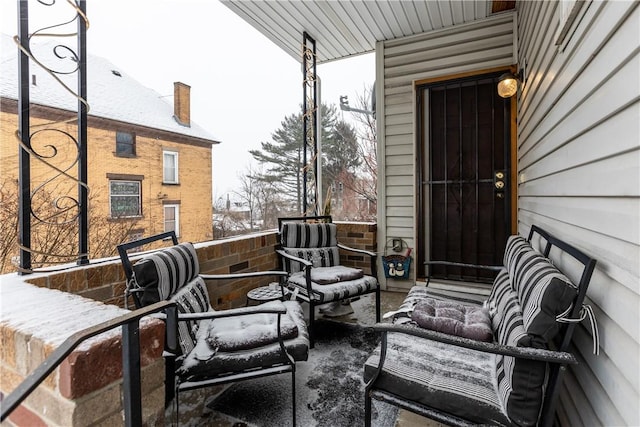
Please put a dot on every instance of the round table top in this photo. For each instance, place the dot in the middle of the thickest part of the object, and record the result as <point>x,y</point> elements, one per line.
<point>266,293</point>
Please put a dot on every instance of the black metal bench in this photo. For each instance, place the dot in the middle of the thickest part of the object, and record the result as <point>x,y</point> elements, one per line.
<point>513,379</point>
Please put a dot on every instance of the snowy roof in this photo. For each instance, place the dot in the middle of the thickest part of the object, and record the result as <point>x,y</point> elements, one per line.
<point>111,93</point>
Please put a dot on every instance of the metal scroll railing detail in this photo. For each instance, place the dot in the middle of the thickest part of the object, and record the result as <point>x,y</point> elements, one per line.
<point>52,176</point>
<point>310,166</point>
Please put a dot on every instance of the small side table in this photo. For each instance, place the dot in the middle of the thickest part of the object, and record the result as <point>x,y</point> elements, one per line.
<point>266,293</point>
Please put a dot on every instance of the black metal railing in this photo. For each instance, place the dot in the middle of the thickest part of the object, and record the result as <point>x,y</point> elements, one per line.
<point>132,390</point>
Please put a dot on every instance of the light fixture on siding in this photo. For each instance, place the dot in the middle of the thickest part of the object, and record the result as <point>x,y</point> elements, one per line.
<point>508,83</point>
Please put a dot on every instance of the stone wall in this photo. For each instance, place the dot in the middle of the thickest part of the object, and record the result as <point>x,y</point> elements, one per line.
<point>86,388</point>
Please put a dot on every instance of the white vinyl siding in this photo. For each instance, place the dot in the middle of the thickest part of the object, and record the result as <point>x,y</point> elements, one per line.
<point>579,174</point>
<point>463,48</point>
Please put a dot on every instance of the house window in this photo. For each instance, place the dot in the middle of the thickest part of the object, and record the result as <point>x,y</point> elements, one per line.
<point>125,144</point>
<point>124,199</point>
<point>172,218</point>
<point>170,167</point>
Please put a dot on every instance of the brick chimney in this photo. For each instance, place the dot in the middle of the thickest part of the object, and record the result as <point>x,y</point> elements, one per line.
<point>182,103</point>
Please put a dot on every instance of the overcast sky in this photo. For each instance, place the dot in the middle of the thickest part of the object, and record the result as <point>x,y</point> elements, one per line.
<point>242,85</point>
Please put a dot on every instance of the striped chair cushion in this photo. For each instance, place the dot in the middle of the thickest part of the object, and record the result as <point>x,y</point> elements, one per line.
<point>319,257</point>
<point>163,273</point>
<point>333,291</point>
<point>304,235</point>
<point>191,298</point>
<point>204,360</point>
<point>440,376</point>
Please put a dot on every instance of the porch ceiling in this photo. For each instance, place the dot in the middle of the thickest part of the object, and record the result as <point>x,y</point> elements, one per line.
<point>347,28</point>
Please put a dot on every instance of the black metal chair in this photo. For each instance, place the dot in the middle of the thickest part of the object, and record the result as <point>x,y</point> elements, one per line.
<point>310,252</point>
<point>206,347</point>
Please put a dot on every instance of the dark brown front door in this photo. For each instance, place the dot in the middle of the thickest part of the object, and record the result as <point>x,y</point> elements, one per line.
<point>465,192</point>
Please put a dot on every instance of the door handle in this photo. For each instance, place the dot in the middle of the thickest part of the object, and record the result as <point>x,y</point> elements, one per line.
<point>500,183</point>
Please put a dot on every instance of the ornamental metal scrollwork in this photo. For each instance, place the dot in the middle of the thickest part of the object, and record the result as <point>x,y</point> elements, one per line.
<point>310,114</point>
<point>47,186</point>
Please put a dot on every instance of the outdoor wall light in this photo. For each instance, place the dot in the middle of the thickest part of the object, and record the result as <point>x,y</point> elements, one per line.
<point>508,84</point>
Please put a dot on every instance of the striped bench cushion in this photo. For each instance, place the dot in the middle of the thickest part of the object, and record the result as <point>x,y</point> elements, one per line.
<point>544,294</point>
<point>305,235</point>
<point>520,382</point>
<point>440,376</point>
<point>161,274</point>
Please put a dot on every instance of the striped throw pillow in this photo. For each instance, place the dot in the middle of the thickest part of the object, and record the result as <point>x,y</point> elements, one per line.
<point>163,273</point>
<point>304,235</point>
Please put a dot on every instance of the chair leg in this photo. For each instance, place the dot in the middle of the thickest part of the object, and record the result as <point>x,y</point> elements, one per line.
<point>293,393</point>
<point>367,409</point>
<point>378,304</point>
<point>312,317</point>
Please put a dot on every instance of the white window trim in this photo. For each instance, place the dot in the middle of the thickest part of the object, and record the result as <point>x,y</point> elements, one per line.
<point>174,154</point>
<point>176,208</point>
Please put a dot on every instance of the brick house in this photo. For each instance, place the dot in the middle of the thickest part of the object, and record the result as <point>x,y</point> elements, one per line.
<point>149,164</point>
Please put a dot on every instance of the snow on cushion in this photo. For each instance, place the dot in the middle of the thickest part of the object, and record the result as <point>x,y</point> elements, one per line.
<point>337,273</point>
<point>191,298</point>
<point>319,257</point>
<point>440,376</point>
<point>245,332</point>
<point>161,274</point>
<point>308,235</point>
<point>204,361</point>
<point>333,291</point>
<point>453,318</point>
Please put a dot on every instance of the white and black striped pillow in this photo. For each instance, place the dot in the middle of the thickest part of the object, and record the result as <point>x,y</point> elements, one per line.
<point>304,235</point>
<point>544,293</point>
<point>191,298</point>
<point>319,257</point>
<point>163,273</point>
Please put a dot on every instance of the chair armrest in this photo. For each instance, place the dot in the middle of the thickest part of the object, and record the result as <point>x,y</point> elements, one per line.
<point>360,251</point>
<point>244,275</point>
<point>304,262</point>
<point>276,308</point>
<point>461,264</point>
<point>486,347</point>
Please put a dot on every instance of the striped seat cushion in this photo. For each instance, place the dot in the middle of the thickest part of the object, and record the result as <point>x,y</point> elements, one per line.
<point>333,291</point>
<point>191,298</point>
<point>440,376</point>
<point>306,235</point>
<point>205,360</point>
<point>162,273</point>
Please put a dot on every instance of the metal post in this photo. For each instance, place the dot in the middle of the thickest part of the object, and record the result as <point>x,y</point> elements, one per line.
<point>310,116</point>
<point>24,179</point>
<point>132,389</point>
<point>83,196</point>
